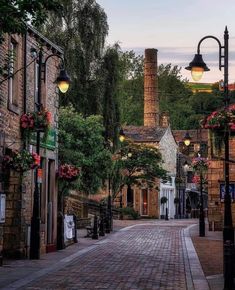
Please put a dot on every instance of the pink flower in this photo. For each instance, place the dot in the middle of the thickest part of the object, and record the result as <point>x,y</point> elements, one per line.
<point>232,127</point>
<point>68,172</point>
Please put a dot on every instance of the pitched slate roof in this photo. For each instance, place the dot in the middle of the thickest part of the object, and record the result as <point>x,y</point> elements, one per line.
<point>144,133</point>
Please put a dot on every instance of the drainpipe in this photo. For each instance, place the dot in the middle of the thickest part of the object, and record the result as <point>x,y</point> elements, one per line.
<point>25,73</point>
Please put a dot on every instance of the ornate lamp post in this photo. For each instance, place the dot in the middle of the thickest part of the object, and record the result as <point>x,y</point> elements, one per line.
<point>197,67</point>
<point>201,210</point>
<point>63,83</point>
<point>186,141</point>
<point>200,166</point>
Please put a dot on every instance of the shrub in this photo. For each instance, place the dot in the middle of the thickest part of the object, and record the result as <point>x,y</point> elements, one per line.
<point>164,199</point>
<point>129,211</point>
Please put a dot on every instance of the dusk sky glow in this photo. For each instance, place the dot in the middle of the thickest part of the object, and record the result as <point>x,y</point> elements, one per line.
<point>174,28</point>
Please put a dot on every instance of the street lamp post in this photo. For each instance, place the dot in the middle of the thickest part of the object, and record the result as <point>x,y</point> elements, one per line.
<point>63,84</point>
<point>201,210</point>
<point>120,203</point>
<point>197,67</point>
<point>179,183</point>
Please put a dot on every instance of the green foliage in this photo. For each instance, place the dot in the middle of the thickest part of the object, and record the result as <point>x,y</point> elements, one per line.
<point>16,13</point>
<point>137,164</point>
<point>175,95</point>
<point>81,143</point>
<point>82,37</point>
<point>164,199</point>
<point>176,200</point>
<point>131,88</point>
<point>129,211</point>
<point>110,70</point>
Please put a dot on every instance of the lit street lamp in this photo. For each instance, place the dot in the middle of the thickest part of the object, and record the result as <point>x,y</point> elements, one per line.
<point>197,67</point>
<point>187,139</point>
<point>63,83</point>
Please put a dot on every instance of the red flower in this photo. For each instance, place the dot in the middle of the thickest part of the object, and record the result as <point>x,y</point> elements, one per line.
<point>48,117</point>
<point>196,179</point>
<point>68,172</point>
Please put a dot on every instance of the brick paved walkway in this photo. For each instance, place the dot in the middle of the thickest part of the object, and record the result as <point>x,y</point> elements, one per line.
<point>146,255</point>
<point>142,257</point>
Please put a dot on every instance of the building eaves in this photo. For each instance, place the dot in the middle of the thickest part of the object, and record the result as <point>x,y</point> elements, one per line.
<point>144,133</point>
<point>55,48</point>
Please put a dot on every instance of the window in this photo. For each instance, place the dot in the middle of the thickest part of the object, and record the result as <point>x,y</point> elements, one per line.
<point>13,80</point>
<point>144,209</point>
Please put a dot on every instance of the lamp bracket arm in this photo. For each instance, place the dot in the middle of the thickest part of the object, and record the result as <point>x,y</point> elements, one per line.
<point>57,55</point>
<point>220,47</point>
<point>46,59</point>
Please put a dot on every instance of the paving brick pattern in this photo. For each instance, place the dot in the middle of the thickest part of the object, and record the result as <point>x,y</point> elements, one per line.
<point>143,257</point>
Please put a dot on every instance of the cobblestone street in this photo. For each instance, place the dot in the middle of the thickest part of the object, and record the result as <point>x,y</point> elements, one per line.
<point>142,257</point>
<point>137,255</point>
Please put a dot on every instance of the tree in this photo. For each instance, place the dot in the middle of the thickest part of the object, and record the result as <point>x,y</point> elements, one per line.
<point>136,164</point>
<point>111,114</point>
<point>131,88</point>
<point>81,30</point>
<point>81,143</point>
<point>15,14</point>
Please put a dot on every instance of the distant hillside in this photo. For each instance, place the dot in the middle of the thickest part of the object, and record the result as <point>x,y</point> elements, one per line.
<point>200,87</point>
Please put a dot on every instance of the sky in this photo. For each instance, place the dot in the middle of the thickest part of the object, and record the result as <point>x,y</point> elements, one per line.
<point>174,28</point>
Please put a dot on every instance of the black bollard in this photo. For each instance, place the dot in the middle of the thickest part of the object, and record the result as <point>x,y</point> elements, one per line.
<point>166,216</point>
<point>101,228</point>
<point>1,259</point>
<point>107,223</point>
<point>60,231</point>
<point>95,229</point>
<point>75,239</point>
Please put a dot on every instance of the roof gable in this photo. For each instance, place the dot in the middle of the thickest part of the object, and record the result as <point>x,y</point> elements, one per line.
<point>144,133</point>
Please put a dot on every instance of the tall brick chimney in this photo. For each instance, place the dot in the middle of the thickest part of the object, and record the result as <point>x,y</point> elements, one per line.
<point>151,100</point>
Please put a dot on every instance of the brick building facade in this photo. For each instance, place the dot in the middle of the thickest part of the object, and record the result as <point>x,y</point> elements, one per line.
<point>18,95</point>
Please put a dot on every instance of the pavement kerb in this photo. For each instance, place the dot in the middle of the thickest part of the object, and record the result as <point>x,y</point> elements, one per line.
<point>195,277</point>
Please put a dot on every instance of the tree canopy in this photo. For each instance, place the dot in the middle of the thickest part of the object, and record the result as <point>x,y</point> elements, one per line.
<point>15,14</point>
<point>81,143</point>
<point>81,30</point>
<point>136,164</point>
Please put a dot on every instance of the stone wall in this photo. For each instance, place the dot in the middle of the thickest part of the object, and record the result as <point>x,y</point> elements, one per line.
<point>14,240</point>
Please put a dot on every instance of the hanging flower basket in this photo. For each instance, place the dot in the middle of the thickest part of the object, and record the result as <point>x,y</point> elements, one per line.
<point>21,161</point>
<point>35,122</point>
<point>219,122</point>
<point>197,180</point>
<point>67,172</point>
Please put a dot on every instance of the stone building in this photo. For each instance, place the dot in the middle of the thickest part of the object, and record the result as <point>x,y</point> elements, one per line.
<point>19,95</point>
<point>157,132</point>
<point>216,182</point>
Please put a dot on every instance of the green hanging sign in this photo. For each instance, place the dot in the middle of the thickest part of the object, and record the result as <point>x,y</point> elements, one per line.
<point>49,143</point>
